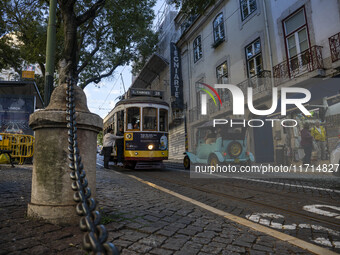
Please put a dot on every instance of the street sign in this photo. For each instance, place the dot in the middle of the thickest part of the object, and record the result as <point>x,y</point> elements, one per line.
<point>28,74</point>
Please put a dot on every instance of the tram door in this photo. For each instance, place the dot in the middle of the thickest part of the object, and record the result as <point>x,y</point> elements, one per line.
<point>120,120</point>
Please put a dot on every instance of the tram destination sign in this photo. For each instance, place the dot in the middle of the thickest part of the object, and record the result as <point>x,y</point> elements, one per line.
<point>146,92</point>
<point>176,81</point>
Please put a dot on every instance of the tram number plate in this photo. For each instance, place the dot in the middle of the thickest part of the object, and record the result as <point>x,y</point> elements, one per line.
<point>237,160</point>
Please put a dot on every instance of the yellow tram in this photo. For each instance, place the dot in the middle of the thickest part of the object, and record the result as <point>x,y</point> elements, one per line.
<point>144,118</point>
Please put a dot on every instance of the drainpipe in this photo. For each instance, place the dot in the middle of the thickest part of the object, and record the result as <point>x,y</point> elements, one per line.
<point>268,41</point>
<point>188,104</point>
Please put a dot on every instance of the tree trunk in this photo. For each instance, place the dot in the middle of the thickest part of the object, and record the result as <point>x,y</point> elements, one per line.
<point>68,61</point>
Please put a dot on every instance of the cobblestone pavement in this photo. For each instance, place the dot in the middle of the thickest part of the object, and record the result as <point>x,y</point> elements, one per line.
<point>276,206</point>
<point>20,235</point>
<point>140,220</point>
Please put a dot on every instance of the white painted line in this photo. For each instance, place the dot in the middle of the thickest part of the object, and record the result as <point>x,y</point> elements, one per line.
<point>270,221</point>
<point>257,227</point>
<point>316,209</point>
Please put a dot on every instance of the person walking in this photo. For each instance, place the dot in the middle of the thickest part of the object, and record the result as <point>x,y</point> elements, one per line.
<point>120,147</point>
<point>108,144</point>
<point>306,143</point>
<point>319,134</point>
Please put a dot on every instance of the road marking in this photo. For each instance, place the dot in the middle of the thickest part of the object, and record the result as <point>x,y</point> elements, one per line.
<point>316,209</point>
<point>257,227</point>
<point>327,242</point>
<point>259,218</point>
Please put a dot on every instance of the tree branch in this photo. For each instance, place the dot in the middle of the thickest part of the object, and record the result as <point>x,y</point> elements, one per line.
<point>90,12</point>
<point>97,79</point>
<point>42,68</point>
<point>85,63</point>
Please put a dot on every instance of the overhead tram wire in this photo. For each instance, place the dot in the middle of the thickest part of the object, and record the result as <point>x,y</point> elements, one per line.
<point>114,84</point>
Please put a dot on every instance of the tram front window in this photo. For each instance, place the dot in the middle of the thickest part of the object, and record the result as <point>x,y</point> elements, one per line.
<point>150,119</point>
<point>163,120</point>
<point>133,118</point>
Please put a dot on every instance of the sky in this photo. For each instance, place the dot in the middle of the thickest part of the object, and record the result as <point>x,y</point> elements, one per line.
<point>102,97</point>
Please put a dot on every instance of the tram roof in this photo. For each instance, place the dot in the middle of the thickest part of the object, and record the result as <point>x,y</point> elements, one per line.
<point>142,100</point>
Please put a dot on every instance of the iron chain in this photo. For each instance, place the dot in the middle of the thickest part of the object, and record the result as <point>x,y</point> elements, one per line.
<point>95,238</point>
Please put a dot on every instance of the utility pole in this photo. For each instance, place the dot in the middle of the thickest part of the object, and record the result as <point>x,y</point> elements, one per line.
<point>50,52</point>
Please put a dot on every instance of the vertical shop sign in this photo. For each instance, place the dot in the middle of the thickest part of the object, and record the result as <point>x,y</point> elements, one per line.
<point>176,81</point>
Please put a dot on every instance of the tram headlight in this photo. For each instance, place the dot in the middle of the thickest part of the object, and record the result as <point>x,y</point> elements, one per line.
<point>150,147</point>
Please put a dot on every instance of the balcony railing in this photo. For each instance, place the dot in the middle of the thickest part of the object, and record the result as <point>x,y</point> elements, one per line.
<point>260,83</point>
<point>334,45</point>
<point>306,61</point>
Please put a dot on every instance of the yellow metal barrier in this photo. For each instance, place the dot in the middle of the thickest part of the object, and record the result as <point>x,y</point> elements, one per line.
<point>22,146</point>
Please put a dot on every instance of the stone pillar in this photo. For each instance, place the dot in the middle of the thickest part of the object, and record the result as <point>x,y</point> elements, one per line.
<point>52,195</point>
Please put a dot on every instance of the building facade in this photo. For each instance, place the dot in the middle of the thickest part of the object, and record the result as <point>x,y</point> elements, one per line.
<point>162,72</point>
<point>264,45</point>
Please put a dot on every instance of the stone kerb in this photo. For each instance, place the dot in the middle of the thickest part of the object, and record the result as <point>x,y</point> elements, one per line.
<point>52,196</point>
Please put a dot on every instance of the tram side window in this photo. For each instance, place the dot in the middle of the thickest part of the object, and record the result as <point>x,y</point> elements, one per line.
<point>120,120</point>
<point>163,120</point>
<point>150,118</point>
<point>133,118</point>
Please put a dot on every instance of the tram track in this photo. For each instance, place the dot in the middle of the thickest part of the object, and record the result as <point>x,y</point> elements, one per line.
<point>293,213</point>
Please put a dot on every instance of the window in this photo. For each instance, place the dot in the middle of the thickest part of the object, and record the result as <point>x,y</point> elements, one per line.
<point>297,40</point>
<point>222,78</point>
<point>247,8</point>
<point>133,118</point>
<point>218,28</point>
<point>163,120</point>
<point>222,73</point>
<point>150,118</point>
<point>254,58</point>
<point>198,92</point>
<point>197,48</point>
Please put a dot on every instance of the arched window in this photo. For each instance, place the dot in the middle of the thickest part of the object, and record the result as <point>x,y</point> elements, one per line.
<point>218,26</point>
<point>197,48</point>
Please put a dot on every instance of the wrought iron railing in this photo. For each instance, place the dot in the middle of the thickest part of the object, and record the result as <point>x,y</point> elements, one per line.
<point>306,61</point>
<point>260,83</point>
<point>334,45</point>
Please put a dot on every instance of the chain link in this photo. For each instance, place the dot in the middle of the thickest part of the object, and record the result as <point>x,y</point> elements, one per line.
<point>95,238</point>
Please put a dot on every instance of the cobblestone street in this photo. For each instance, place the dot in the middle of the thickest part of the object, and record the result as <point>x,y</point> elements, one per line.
<point>140,220</point>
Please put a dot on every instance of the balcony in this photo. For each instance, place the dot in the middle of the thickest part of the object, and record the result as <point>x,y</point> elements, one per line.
<point>262,88</point>
<point>304,62</point>
<point>334,45</point>
<point>260,83</point>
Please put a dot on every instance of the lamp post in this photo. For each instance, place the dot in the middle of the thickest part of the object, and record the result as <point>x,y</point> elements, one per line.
<point>50,52</point>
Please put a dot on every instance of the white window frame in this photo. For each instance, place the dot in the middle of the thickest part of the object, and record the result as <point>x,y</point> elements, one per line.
<point>300,66</point>
<point>243,17</point>
<point>197,48</point>
<point>218,28</point>
<point>253,57</point>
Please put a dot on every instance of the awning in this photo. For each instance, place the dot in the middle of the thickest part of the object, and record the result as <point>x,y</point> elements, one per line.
<point>24,88</point>
<point>318,87</point>
<point>150,71</point>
